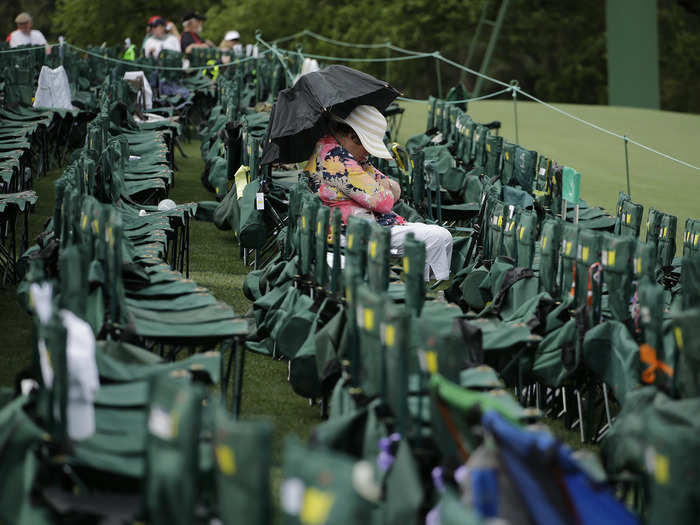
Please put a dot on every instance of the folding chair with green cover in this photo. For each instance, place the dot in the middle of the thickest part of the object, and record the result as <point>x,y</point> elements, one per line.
<point>322,487</point>
<point>655,439</point>
<point>172,448</point>
<point>629,216</point>
<point>691,237</point>
<point>616,258</point>
<point>243,456</point>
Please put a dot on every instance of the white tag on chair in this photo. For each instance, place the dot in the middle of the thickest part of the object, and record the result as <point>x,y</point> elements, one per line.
<point>259,201</point>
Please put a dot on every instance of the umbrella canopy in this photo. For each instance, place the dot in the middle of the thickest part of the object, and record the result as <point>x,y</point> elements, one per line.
<point>298,117</point>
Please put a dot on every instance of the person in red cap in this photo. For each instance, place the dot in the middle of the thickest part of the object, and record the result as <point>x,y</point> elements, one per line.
<point>160,39</point>
<point>190,39</point>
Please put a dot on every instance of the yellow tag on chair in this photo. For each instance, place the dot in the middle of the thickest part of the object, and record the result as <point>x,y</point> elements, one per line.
<point>373,249</point>
<point>678,333</point>
<point>611,258</point>
<point>318,228</point>
<point>431,361</point>
<point>83,223</point>
<point>316,507</point>
<point>351,238</point>
<point>544,243</point>
<point>225,459</point>
<point>368,315</point>
<point>406,265</point>
<point>661,469</point>
<point>303,222</point>
<point>584,253</point>
<point>522,233</point>
<point>390,335</point>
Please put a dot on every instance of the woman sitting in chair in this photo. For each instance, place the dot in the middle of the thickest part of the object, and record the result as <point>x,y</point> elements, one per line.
<point>341,176</point>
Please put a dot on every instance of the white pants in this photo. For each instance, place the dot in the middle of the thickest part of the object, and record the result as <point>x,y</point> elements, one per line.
<point>438,246</point>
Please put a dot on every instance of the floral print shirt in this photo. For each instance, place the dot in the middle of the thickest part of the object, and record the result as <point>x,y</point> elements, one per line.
<point>354,187</point>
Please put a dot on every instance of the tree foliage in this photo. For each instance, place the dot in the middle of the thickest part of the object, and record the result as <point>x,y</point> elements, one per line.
<point>556,50</point>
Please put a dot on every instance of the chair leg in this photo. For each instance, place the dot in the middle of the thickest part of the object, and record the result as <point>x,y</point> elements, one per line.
<point>239,350</point>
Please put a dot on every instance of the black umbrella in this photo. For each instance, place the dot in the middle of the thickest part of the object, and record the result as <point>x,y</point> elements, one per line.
<point>298,117</point>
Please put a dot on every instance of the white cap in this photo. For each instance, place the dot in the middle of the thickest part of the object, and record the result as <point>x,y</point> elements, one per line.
<point>370,126</point>
<point>166,204</point>
<point>232,35</point>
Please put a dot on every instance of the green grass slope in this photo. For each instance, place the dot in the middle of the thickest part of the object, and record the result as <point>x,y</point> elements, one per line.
<point>655,181</point>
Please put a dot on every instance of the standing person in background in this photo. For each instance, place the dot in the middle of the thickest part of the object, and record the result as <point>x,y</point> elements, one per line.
<point>191,27</point>
<point>231,42</point>
<point>25,35</point>
<point>159,39</point>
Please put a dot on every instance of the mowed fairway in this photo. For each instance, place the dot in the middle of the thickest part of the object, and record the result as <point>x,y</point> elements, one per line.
<point>655,181</point>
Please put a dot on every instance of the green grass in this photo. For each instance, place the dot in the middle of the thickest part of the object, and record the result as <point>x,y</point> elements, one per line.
<point>655,181</point>
<point>15,323</point>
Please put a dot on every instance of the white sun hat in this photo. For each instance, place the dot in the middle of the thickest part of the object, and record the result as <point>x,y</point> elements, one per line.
<point>232,35</point>
<point>370,126</point>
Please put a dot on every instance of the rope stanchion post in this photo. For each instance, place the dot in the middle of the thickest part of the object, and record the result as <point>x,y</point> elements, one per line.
<point>438,74</point>
<point>515,86</point>
<point>388,60</point>
<point>627,166</point>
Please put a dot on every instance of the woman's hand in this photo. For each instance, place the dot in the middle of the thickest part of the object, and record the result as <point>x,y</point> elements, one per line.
<point>391,185</point>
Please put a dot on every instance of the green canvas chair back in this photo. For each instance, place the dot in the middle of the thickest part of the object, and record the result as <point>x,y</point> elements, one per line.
<point>473,189</point>
<point>612,355</point>
<point>616,257</point>
<point>335,233</point>
<point>417,192</point>
<point>321,246</point>
<point>457,93</point>
<point>653,225</point>
<point>453,114</point>
<point>243,457</point>
<point>414,274</point>
<point>569,251</point>
<point>466,128</point>
<point>654,437</point>
<point>657,359</point>
<point>479,146</point>
<point>511,216</point>
<point>430,124</point>
<point>494,152</point>
<point>508,163</point>
<point>321,487</point>
<point>685,328</point>
<point>441,116</point>
<point>172,448</point>
<point>644,262</point>
<point>556,357</point>
<point>542,176</point>
<point>666,246</point>
<point>307,231</point>
<point>379,258</point>
<point>524,168</point>
<point>526,237</point>
<point>358,230</point>
<point>691,237</point>
<point>556,174</point>
<point>369,310</point>
<point>395,334</point>
<point>495,229</point>
<point>629,216</point>
<point>587,255</point>
<point>690,281</point>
